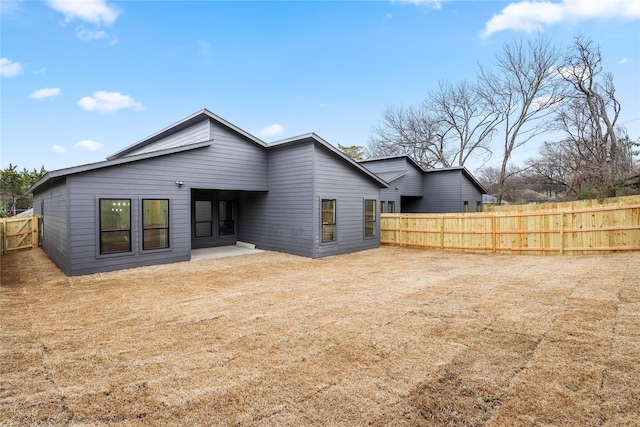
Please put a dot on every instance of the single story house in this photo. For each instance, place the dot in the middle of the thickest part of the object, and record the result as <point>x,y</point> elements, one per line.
<point>413,189</point>
<point>204,182</point>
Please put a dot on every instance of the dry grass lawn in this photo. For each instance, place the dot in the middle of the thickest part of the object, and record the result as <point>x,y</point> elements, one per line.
<point>391,336</point>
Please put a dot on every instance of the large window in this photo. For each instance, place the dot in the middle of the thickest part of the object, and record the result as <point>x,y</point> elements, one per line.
<point>328,220</point>
<point>203,218</point>
<point>115,225</point>
<point>226,225</point>
<point>369,218</point>
<point>155,224</point>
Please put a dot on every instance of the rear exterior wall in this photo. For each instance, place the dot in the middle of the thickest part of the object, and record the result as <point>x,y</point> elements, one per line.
<point>336,179</point>
<point>232,165</point>
<point>52,205</point>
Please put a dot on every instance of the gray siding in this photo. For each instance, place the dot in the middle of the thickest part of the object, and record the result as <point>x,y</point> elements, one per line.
<point>386,165</point>
<point>282,220</point>
<point>196,133</point>
<point>334,178</point>
<point>54,223</point>
<point>447,191</point>
<point>231,163</point>
<point>409,185</point>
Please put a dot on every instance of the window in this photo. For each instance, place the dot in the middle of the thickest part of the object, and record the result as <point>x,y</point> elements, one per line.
<point>465,206</point>
<point>478,206</point>
<point>369,218</point>
<point>382,207</point>
<point>391,207</point>
<point>203,218</point>
<point>226,226</point>
<point>155,224</point>
<point>328,220</point>
<point>115,225</point>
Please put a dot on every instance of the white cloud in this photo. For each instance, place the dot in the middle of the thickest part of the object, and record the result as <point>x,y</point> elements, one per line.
<point>9,68</point>
<point>45,93</point>
<point>531,16</point>
<point>42,70</point>
<point>271,130</point>
<point>625,60</point>
<point>58,149</point>
<point>108,102</point>
<point>87,35</point>
<point>87,145</point>
<point>95,11</point>
<point>434,4</point>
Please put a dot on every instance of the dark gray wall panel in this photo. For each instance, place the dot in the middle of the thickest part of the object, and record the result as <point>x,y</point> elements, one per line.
<point>282,220</point>
<point>336,179</point>
<point>229,164</point>
<point>55,223</point>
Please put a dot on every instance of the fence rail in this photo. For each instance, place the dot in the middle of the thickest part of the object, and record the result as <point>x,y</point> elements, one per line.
<point>19,233</point>
<point>582,230</point>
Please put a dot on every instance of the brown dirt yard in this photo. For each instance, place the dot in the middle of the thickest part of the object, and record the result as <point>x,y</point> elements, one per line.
<point>391,336</point>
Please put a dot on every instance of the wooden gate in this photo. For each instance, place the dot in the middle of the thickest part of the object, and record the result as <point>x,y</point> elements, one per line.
<point>19,233</point>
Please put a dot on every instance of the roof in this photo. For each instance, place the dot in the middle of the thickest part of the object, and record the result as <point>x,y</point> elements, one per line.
<point>464,171</point>
<point>398,156</point>
<point>391,177</point>
<point>56,175</point>
<point>122,157</point>
<point>317,139</point>
<point>183,124</point>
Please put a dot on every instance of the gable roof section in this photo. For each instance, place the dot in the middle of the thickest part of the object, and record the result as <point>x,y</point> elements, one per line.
<point>318,140</point>
<point>465,172</point>
<point>390,178</point>
<point>52,177</point>
<point>392,175</point>
<point>185,123</point>
<point>398,156</point>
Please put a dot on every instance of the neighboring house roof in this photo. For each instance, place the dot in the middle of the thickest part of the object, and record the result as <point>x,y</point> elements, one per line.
<point>28,212</point>
<point>184,124</point>
<point>53,176</point>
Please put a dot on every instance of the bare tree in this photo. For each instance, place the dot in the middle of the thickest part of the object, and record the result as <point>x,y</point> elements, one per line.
<point>589,120</point>
<point>451,125</point>
<point>523,89</point>
<point>467,121</point>
<point>410,131</point>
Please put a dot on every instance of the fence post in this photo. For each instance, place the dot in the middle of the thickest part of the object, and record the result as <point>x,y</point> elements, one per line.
<point>442,232</point>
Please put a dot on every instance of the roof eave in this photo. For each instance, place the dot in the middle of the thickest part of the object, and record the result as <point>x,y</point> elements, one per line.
<point>184,123</point>
<point>60,173</point>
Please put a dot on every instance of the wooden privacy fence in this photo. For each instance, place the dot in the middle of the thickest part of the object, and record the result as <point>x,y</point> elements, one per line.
<point>586,230</point>
<point>19,233</point>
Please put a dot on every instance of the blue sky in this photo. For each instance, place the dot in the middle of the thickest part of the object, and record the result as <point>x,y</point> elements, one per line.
<point>82,79</point>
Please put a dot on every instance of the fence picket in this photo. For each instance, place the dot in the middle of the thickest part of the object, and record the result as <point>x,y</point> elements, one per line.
<point>563,228</point>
